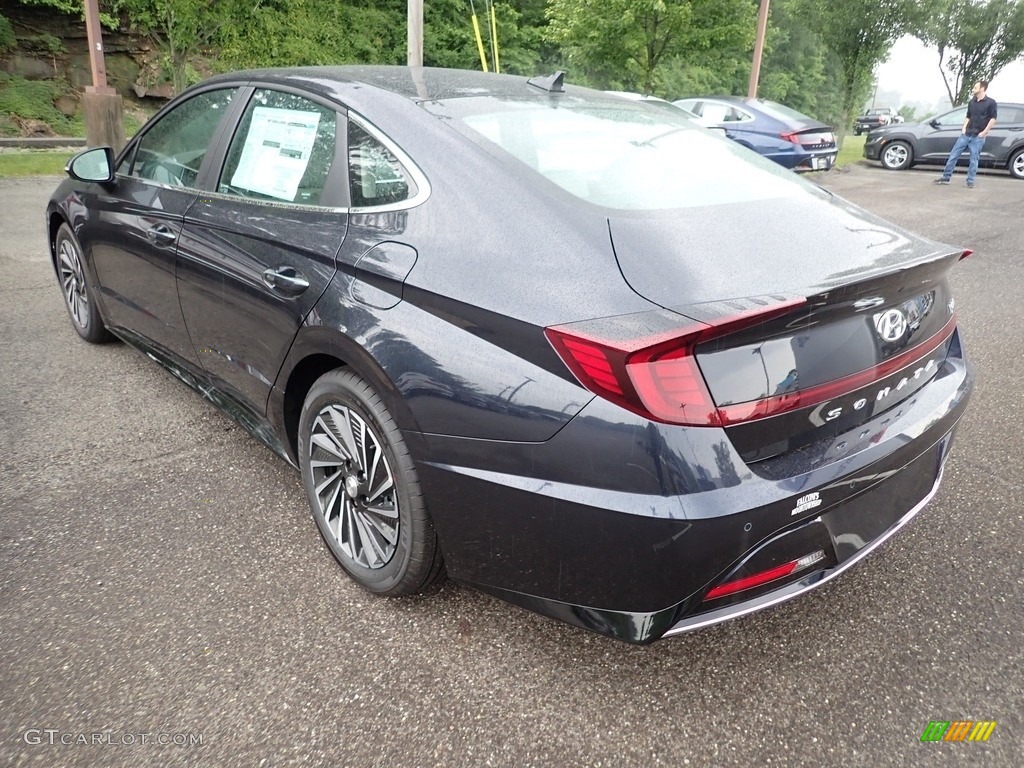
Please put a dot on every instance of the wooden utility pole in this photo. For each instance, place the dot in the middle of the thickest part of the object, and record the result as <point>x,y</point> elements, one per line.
<point>755,69</point>
<point>103,109</point>
<point>415,47</point>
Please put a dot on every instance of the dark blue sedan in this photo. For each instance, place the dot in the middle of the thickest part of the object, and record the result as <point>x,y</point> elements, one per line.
<point>569,348</point>
<point>791,139</point>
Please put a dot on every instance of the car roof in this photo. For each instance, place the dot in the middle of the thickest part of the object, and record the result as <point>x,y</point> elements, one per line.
<point>414,83</point>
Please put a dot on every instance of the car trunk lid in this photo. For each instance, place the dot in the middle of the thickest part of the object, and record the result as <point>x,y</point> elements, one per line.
<point>870,321</point>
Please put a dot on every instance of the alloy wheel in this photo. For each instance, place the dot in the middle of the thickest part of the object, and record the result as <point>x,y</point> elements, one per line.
<point>1017,165</point>
<point>72,280</point>
<point>896,155</point>
<point>354,486</point>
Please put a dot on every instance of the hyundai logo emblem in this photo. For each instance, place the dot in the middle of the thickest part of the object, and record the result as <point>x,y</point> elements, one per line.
<point>891,325</point>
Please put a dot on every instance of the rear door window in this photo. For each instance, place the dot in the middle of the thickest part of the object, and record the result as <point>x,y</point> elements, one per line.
<point>283,150</point>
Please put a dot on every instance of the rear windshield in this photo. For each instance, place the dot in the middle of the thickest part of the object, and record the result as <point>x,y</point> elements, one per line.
<point>780,112</point>
<point>619,154</point>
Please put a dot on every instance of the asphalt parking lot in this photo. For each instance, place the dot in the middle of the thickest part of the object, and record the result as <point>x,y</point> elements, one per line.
<point>161,577</point>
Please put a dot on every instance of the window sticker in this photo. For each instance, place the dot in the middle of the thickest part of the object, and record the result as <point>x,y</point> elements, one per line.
<point>276,151</point>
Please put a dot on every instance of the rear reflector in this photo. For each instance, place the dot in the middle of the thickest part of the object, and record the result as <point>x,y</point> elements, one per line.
<point>764,577</point>
<point>657,377</point>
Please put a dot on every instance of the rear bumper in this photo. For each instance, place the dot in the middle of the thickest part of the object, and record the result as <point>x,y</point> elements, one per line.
<point>850,539</point>
<point>678,514</point>
<point>803,160</point>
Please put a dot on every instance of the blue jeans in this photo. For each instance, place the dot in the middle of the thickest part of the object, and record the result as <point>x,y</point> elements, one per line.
<point>971,143</point>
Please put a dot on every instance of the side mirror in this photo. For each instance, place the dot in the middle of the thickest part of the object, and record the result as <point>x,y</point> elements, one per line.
<point>96,165</point>
<point>935,124</point>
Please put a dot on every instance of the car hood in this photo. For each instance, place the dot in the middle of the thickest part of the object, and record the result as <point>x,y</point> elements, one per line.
<point>794,245</point>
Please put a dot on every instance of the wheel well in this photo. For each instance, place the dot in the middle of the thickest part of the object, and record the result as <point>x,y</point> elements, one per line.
<point>55,221</point>
<point>301,380</point>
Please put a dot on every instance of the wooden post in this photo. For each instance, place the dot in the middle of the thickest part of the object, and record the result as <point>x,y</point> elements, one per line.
<point>415,39</point>
<point>102,108</point>
<point>755,69</point>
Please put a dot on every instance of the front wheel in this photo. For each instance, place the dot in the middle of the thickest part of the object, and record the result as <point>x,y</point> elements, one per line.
<point>362,488</point>
<point>78,297</point>
<point>1016,164</point>
<point>897,155</point>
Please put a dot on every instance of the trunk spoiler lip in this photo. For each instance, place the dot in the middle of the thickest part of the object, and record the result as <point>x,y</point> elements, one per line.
<point>866,285</point>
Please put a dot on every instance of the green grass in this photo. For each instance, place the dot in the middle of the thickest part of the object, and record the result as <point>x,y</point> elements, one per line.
<point>33,163</point>
<point>852,151</point>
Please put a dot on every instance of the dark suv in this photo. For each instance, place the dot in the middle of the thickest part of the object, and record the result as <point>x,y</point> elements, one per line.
<point>901,146</point>
<point>874,118</point>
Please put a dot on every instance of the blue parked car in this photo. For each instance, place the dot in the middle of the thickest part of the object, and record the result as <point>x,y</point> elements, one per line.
<point>784,135</point>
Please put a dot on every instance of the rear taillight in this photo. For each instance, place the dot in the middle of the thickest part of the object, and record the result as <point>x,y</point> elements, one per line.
<point>657,377</point>
<point>793,137</point>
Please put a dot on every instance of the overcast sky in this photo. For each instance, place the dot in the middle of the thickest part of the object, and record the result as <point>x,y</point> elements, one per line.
<point>913,70</point>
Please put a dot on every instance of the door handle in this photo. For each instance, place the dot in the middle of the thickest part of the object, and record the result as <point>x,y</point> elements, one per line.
<point>161,234</point>
<point>286,280</point>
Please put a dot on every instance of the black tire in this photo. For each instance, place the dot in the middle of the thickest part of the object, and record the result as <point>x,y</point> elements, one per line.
<point>79,298</point>
<point>1016,164</point>
<point>351,448</point>
<point>856,131</point>
<point>897,155</point>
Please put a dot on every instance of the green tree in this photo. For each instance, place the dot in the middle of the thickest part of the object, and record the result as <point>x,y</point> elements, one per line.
<point>301,32</point>
<point>628,43</point>
<point>108,9</point>
<point>860,33</point>
<point>184,28</point>
<point>449,41</point>
<point>311,32</point>
<point>975,40</point>
<point>7,39</point>
<point>909,114</point>
<point>798,69</point>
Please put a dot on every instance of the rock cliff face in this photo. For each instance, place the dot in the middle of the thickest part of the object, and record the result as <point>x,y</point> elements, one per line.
<point>54,46</point>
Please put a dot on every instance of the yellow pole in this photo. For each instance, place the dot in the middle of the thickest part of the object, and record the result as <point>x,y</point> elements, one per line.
<point>494,37</point>
<point>479,42</point>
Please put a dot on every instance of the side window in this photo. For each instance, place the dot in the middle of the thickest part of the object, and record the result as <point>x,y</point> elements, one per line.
<point>375,175</point>
<point>956,117</point>
<point>283,150</point>
<point>172,150</point>
<point>715,112</point>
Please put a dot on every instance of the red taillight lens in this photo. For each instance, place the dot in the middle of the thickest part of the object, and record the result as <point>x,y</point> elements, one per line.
<point>965,254</point>
<point>661,382</point>
<point>658,377</point>
<point>765,577</point>
<point>792,137</point>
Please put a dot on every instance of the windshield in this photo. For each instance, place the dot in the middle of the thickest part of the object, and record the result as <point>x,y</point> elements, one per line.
<point>618,154</point>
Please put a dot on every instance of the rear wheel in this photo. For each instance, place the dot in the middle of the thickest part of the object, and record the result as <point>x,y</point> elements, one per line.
<point>362,488</point>
<point>897,155</point>
<point>1016,164</point>
<point>78,297</point>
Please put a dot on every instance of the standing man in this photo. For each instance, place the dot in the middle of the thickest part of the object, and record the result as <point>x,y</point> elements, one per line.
<point>981,116</point>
